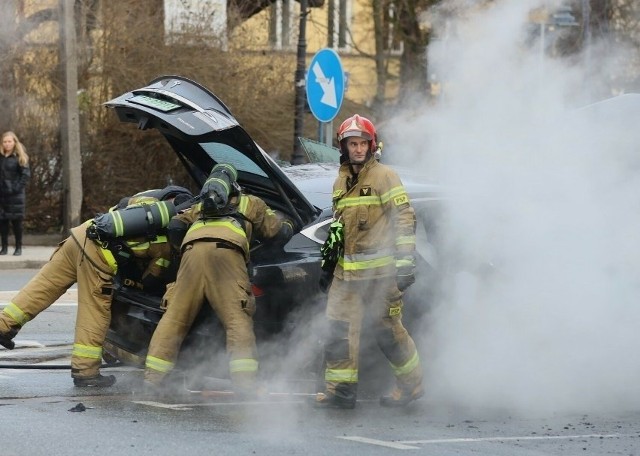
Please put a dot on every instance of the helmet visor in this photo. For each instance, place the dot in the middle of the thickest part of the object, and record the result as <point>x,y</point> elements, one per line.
<point>356,133</point>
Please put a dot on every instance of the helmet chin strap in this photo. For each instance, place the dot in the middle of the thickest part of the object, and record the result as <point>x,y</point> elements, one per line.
<point>362,163</point>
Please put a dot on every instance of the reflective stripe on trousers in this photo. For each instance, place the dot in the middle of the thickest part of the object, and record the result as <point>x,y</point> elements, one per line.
<point>158,364</point>
<point>243,365</point>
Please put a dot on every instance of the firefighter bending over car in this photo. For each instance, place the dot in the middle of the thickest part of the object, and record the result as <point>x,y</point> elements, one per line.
<point>368,261</point>
<point>91,256</point>
<point>214,237</point>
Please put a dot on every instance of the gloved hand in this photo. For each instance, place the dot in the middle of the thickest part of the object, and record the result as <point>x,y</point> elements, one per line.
<point>326,277</point>
<point>216,189</point>
<point>405,268</point>
<point>152,284</point>
<point>214,195</point>
<point>176,231</point>
<point>285,233</point>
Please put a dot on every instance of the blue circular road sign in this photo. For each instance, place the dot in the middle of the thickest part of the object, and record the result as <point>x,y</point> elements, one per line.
<point>325,85</point>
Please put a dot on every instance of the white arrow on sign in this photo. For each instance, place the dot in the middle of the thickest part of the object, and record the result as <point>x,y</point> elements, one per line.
<point>328,87</point>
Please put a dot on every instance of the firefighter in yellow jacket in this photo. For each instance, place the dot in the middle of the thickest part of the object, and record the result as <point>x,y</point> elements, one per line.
<point>91,264</point>
<point>214,237</point>
<point>368,261</point>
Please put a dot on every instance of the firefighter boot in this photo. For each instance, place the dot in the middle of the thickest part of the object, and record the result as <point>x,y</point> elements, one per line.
<point>343,398</point>
<point>6,342</point>
<point>99,381</point>
<point>399,397</point>
<point>328,400</point>
<point>156,390</point>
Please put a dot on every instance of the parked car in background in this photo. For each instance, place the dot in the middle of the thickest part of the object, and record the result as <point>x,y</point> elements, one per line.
<point>203,132</point>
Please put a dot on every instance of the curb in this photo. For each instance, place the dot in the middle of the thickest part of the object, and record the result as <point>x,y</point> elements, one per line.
<point>33,257</point>
<point>22,264</point>
<point>49,240</point>
<point>36,252</point>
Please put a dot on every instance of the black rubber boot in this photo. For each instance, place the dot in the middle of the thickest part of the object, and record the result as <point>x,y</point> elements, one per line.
<point>17,232</point>
<point>4,236</point>
<point>99,381</point>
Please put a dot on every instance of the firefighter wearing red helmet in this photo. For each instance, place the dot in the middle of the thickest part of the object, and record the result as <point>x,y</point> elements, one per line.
<point>374,266</point>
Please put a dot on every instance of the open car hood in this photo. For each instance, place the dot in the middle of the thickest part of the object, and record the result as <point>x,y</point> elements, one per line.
<point>203,132</point>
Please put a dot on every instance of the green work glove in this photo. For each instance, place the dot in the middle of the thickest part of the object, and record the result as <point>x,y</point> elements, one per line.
<point>333,246</point>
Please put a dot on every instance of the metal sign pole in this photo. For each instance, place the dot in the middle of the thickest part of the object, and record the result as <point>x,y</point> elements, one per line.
<point>328,133</point>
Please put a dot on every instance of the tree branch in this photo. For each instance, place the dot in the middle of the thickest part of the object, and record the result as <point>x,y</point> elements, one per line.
<point>32,22</point>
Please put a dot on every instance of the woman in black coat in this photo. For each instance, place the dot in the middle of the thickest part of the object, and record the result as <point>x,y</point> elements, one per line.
<point>14,174</point>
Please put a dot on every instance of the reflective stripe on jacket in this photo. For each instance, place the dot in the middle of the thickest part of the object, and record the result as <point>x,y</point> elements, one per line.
<point>158,253</point>
<point>379,222</point>
<point>258,219</point>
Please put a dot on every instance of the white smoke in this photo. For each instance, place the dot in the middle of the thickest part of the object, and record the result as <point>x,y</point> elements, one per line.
<point>550,196</point>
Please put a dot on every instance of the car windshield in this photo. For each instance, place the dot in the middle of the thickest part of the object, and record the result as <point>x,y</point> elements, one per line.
<point>318,152</point>
<point>224,153</point>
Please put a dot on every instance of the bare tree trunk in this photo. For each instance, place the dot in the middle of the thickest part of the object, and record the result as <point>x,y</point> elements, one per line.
<point>8,29</point>
<point>413,62</point>
<point>600,16</point>
<point>381,70</point>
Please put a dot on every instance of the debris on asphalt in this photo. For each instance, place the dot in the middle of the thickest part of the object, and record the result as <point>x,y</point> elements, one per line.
<point>78,408</point>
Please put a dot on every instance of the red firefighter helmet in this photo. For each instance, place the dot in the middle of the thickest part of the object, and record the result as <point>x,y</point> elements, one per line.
<point>359,126</point>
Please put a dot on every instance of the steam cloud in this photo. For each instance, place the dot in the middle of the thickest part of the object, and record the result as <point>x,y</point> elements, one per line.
<point>549,194</point>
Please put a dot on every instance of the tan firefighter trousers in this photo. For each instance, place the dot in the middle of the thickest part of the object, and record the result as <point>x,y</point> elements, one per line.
<point>348,302</point>
<point>69,265</point>
<point>217,273</point>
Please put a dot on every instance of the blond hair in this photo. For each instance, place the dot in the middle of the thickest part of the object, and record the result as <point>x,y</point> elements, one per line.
<point>19,149</point>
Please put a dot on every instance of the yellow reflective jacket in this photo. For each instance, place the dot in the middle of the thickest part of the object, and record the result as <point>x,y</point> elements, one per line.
<point>379,222</point>
<point>153,256</point>
<point>254,217</point>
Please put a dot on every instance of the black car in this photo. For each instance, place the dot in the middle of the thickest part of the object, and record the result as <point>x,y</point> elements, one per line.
<point>202,131</point>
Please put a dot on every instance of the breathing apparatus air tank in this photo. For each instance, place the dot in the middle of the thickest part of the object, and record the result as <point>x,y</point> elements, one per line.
<point>144,219</point>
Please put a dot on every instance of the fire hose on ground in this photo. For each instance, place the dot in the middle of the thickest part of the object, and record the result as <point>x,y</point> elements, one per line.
<point>51,366</point>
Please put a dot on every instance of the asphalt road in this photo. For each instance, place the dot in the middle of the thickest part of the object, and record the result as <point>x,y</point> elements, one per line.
<point>36,399</point>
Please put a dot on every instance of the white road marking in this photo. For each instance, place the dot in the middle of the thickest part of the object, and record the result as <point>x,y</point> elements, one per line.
<point>189,406</point>
<point>503,439</point>
<point>68,299</point>
<point>395,445</point>
<point>29,344</point>
<point>407,444</point>
<point>163,405</point>
<point>3,304</point>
